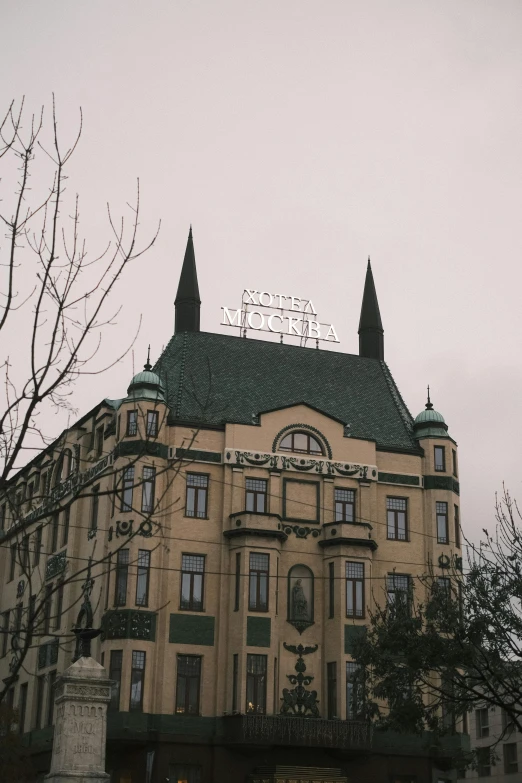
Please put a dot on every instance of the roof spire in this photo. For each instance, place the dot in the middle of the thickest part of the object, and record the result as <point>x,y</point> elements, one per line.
<point>187,302</point>
<point>148,365</point>
<point>429,405</point>
<point>371,333</point>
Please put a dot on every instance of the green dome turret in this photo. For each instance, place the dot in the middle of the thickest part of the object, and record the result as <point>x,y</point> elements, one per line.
<point>430,423</point>
<point>146,385</point>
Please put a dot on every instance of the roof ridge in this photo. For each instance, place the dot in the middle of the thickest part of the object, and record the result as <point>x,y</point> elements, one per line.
<point>181,373</point>
<point>404,413</point>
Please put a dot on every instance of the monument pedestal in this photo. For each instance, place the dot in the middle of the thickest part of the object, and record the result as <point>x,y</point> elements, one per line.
<point>80,728</point>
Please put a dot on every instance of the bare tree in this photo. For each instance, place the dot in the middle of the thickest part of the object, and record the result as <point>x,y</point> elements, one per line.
<point>54,296</point>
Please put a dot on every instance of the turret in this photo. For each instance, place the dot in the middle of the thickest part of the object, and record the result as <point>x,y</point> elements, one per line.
<point>187,302</point>
<point>371,333</point>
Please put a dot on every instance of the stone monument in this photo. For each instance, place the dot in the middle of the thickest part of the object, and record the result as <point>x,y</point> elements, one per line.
<point>82,694</point>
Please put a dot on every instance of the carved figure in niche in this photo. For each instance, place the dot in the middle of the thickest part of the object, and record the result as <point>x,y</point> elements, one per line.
<point>299,602</point>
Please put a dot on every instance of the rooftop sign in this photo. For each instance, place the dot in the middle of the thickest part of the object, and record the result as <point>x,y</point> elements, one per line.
<point>280,314</point>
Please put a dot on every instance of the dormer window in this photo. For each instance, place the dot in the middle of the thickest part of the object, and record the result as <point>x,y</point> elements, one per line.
<point>301,443</point>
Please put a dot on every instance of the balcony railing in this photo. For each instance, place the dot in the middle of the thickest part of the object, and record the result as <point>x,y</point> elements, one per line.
<point>311,732</point>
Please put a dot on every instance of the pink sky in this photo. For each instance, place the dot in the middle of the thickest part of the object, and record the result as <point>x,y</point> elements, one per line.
<point>298,138</point>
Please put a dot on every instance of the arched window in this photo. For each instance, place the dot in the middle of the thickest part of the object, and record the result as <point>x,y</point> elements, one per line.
<point>300,597</point>
<point>301,443</point>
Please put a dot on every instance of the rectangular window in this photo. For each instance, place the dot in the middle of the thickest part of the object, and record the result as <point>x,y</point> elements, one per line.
<point>50,698</point>
<point>59,607</point>
<point>355,590</point>
<point>192,582</point>
<point>442,522</point>
<point>483,763</point>
<point>344,505</point>
<point>440,458</point>
<point>137,680</point>
<point>235,674</point>
<point>55,524</point>
<point>115,668</point>
<point>127,488</point>
<point>122,576</point>
<point>457,525</point>
<point>40,691</point>
<point>482,722</point>
<point>5,632</point>
<point>24,555</point>
<point>48,606</point>
<point>188,684</point>
<point>256,684</point>
<point>37,546</point>
<point>32,622</point>
<point>148,489</point>
<point>132,423</point>
<point>510,757</point>
<point>331,590</point>
<point>66,522</point>
<point>99,441</point>
<point>22,707</point>
<point>12,562</point>
<point>152,424</point>
<point>258,582</point>
<point>237,586</point>
<point>507,722</point>
<point>354,691</point>
<point>443,584</point>
<point>397,518</point>
<point>3,516</point>
<point>331,676</point>
<point>142,579</point>
<point>197,495</point>
<point>95,504</point>
<point>256,495</point>
<point>19,612</point>
<point>184,773</point>
<point>454,460</point>
<point>398,589</point>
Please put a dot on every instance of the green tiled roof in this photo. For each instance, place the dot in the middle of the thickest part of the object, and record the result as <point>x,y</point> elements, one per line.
<point>216,378</point>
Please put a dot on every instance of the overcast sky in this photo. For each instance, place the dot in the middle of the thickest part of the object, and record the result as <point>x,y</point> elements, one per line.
<point>298,138</point>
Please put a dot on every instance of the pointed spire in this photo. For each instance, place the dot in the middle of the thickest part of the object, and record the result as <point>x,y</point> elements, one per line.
<point>429,405</point>
<point>148,365</point>
<point>187,300</point>
<point>371,333</point>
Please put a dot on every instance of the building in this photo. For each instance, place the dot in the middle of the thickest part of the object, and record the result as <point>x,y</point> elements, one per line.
<point>244,505</point>
<point>491,728</point>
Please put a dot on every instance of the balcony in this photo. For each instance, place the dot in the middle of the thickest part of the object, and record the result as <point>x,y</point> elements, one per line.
<point>296,731</point>
<point>358,534</point>
<point>252,523</point>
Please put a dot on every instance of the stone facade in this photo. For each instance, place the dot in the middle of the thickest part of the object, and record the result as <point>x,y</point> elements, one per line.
<point>241,561</point>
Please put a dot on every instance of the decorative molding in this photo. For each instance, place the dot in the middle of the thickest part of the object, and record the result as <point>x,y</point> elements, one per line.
<point>321,467</point>
<point>255,531</point>
<point>364,542</point>
<point>55,565</point>
<point>129,624</point>
<point>308,428</point>
<point>140,448</point>
<point>124,528</point>
<point>300,531</point>
<point>298,700</point>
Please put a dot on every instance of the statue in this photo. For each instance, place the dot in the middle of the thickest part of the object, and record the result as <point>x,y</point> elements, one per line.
<point>299,602</point>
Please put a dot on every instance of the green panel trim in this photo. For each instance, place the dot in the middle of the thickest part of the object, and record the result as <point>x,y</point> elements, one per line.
<point>351,634</point>
<point>139,448</point>
<point>317,518</point>
<point>199,456</point>
<point>258,631</point>
<point>129,624</point>
<point>399,478</point>
<point>191,629</point>
<point>442,482</point>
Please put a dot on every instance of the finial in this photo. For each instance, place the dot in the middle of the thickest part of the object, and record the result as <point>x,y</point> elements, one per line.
<point>429,406</point>
<point>369,264</point>
<point>148,365</point>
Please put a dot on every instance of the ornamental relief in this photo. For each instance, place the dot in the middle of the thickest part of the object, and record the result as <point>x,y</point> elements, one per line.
<point>322,467</point>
